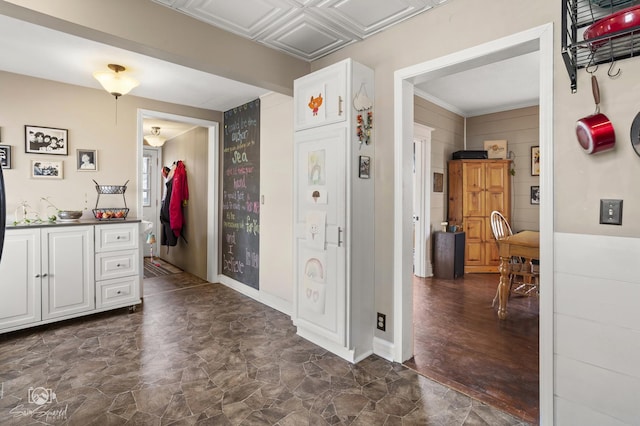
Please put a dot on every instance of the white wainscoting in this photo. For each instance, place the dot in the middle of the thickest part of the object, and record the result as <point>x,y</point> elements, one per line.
<point>597,330</point>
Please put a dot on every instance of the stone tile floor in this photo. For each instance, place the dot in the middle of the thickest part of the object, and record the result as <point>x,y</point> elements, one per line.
<point>203,354</point>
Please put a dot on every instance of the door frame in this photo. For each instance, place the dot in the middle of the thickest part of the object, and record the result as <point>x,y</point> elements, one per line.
<point>213,162</point>
<point>536,39</point>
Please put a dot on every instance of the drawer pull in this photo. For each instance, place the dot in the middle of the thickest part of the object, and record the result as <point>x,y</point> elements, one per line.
<point>119,292</point>
<point>118,265</point>
<point>37,275</point>
<point>118,237</point>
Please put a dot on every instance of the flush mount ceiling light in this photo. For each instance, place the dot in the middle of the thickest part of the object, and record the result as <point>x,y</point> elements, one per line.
<point>154,139</point>
<point>115,82</point>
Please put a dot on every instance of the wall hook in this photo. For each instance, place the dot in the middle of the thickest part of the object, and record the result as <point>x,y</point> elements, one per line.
<point>611,73</point>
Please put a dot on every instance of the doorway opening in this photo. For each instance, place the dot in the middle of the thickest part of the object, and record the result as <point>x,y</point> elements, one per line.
<point>212,131</point>
<point>537,39</point>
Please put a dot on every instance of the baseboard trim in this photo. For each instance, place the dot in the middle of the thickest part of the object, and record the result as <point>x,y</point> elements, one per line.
<point>383,348</point>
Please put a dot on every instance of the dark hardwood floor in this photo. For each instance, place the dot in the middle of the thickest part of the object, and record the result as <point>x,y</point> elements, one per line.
<point>460,342</point>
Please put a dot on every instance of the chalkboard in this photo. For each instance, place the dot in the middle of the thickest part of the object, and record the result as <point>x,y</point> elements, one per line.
<point>241,194</point>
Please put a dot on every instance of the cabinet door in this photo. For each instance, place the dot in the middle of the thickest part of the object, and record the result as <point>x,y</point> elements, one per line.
<point>497,188</point>
<point>20,278</point>
<point>475,244</point>
<point>67,259</point>
<point>320,234</point>
<point>473,187</point>
<point>320,97</point>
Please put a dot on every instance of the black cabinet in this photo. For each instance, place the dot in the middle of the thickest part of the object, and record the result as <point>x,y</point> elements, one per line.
<point>448,255</point>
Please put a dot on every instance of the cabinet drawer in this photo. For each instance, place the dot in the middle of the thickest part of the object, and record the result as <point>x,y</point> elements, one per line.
<point>116,264</point>
<point>116,237</point>
<point>117,291</point>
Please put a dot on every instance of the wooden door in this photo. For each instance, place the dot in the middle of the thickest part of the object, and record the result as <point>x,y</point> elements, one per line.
<point>497,188</point>
<point>473,189</point>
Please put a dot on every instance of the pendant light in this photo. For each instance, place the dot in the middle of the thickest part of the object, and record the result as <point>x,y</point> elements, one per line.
<point>154,139</point>
<point>115,82</point>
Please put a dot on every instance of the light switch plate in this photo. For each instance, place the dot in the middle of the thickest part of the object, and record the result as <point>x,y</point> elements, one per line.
<point>611,212</point>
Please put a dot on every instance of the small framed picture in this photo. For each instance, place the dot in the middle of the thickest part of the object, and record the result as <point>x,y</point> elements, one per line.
<point>5,156</point>
<point>496,149</point>
<point>365,167</point>
<point>87,160</point>
<point>535,195</point>
<point>438,182</point>
<point>46,169</point>
<point>535,161</point>
<point>45,140</point>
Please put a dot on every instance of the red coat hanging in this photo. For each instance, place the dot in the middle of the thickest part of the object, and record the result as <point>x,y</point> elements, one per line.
<point>179,198</point>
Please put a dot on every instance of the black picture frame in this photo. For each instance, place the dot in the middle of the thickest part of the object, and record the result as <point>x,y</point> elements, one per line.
<point>5,156</point>
<point>86,160</point>
<point>535,194</point>
<point>364,168</point>
<point>46,140</point>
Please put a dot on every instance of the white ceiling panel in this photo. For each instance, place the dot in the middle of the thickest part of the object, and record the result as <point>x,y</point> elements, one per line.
<point>367,17</point>
<point>248,18</point>
<point>307,29</point>
<point>306,37</point>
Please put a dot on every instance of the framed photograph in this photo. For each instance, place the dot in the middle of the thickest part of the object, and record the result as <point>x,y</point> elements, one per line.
<point>5,156</point>
<point>46,169</point>
<point>535,161</point>
<point>365,167</point>
<point>535,195</point>
<point>438,182</point>
<point>45,140</point>
<point>87,160</point>
<point>496,149</point>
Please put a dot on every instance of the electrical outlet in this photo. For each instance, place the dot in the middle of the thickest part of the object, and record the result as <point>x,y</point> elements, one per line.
<point>611,212</point>
<point>381,322</point>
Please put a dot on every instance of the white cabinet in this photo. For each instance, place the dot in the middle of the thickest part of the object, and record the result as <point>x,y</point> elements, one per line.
<point>333,214</point>
<point>117,265</point>
<point>20,279</point>
<point>50,273</point>
<point>320,98</point>
<point>67,271</point>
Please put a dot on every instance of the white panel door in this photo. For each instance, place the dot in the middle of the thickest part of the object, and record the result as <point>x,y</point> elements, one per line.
<point>320,214</point>
<point>151,194</point>
<point>20,278</point>
<point>68,262</point>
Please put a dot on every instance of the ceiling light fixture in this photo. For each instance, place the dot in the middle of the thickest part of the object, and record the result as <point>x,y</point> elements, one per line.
<point>114,82</point>
<point>154,139</point>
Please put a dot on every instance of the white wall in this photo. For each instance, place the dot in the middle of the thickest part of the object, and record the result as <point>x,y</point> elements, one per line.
<point>597,320</point>
<point>276,213</point>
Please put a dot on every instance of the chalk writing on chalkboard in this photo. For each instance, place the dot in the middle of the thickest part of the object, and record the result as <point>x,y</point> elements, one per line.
<point>241,194</point>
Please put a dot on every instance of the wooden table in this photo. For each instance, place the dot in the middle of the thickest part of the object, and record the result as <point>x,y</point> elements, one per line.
<point>523,244</point>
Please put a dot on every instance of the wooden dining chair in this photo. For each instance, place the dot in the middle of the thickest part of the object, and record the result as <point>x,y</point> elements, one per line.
<point>522,272</point>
